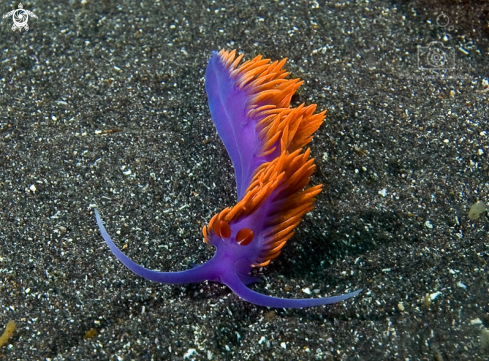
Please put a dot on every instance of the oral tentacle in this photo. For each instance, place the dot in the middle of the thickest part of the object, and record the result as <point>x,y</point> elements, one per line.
<point>199,273</point>
<point>240,289</point>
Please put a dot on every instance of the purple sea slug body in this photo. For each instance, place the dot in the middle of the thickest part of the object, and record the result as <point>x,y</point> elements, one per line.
<point>265,137</point>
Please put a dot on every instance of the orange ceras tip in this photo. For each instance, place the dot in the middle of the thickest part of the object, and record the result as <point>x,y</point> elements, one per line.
<point>245,236</point>
<point>221,229</point>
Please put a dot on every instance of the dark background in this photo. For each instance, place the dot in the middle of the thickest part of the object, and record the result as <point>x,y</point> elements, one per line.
<point>103,103</point>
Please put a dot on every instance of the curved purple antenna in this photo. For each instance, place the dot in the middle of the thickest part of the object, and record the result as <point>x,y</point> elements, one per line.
<point>196,274</point>
<point>235,284</point>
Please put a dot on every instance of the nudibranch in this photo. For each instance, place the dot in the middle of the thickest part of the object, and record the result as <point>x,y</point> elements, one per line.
<point>265,137</point>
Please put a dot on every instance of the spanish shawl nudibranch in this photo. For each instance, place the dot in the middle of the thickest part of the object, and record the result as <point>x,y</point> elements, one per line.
<point>264,136</point>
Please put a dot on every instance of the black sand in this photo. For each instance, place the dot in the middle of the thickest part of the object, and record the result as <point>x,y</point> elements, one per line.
<point>104,104</point>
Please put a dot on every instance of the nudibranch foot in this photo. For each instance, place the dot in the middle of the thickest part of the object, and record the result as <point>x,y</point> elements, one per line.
<point>248,280</point>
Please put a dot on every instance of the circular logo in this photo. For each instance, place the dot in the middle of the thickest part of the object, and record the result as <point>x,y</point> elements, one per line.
<point>437,58</point>
<point>20,18</point>
<point>442,20</point>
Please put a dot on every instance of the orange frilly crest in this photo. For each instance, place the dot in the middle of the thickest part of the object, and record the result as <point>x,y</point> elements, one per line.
<point>264,137</point>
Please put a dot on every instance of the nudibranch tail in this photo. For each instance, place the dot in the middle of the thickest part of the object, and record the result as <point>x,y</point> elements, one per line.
<point>250,107</point>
